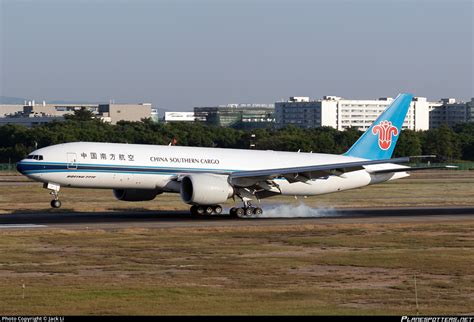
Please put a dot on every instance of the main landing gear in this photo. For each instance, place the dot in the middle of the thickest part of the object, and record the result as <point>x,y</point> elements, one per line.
<point>55,203</point>
<point>206,210</point>
<point>246,212</point>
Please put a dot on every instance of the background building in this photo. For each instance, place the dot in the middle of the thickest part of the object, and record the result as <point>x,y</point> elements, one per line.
<point>449,112</point>
<point>242,116</point>
<point>114,113</point>
<point>7,109</point>
<point>342,113</point>
<point>179,117</point>
<point>33,114</point>
<point>471,110</point>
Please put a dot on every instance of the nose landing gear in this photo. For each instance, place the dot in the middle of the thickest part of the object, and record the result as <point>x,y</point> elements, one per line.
<point>55,203</point>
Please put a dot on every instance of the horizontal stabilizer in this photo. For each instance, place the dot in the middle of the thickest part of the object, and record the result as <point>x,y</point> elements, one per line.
<point>409,169</point>
<point>427,156</point>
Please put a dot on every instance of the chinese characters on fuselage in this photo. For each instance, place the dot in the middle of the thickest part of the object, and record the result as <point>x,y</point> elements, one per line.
<point>109,156</point>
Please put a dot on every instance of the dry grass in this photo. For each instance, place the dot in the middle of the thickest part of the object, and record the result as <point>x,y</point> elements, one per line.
<point>332,269</point>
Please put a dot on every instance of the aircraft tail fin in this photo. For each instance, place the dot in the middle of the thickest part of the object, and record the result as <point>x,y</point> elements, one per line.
<point>379,141</point>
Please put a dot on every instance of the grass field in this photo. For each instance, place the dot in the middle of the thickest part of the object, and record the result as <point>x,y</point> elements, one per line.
<point>331,269</point>
<point>341,268</point>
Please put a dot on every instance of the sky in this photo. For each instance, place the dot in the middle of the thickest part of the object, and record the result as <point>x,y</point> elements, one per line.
<point>179,54</point>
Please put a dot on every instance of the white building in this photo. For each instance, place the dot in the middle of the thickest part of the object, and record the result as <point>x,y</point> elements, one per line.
<point>179,117</point>
<point>341,113</point>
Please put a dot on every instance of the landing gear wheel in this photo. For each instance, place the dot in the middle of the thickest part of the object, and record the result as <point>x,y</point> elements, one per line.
<point>249,211</point>
<point>240,212</point>
<point>56,203</point>
<point>218,210</point>
<point>193,210</point>
<point>200,210</point>
<point>257,211</point>
<point>232,212</point>
<point>209,210</point>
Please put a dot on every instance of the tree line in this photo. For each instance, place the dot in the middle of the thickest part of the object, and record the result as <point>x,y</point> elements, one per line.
<point>17,141</point>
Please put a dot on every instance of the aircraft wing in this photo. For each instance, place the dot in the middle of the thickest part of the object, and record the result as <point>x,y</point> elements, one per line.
<point>294,174</point>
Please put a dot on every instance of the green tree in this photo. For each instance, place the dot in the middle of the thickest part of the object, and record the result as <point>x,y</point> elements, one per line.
<point>17,141</point>
<point>443,142</point>
<point>465,131</point>
<point>82,114</point>
<point>409,144</point>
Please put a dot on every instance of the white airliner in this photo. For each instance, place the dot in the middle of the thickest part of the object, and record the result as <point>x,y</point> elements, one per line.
<point>207,177</point>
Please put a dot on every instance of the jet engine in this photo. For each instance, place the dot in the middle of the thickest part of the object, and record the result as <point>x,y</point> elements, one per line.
<point>205,189</point>
<point>135,194</point>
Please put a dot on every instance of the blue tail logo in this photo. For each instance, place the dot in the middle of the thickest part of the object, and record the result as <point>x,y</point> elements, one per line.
<point>379,141</point>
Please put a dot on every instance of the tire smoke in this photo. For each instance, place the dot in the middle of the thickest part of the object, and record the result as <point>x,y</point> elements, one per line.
<point>296,211</point>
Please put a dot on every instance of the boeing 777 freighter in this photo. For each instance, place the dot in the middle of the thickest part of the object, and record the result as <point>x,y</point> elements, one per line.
<point>207,177</point>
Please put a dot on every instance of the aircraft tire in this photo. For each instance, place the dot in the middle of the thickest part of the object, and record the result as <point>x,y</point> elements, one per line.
<point>249,211</point>
<point>240,212</point>
<point>200,210</point>
<point>217,210</point>
<point>56,203</point>
<point>193,210</point>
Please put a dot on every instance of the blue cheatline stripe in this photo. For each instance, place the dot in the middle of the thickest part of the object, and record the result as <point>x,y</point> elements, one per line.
<point>103,171</point>
<point>115,166</point>
<point>31,168</point>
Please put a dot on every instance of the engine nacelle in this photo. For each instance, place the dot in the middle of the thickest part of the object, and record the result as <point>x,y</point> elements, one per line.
<point>205,189</point>
<point>135,194</point>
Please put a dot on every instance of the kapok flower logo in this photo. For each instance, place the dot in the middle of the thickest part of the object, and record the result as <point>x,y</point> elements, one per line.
<point>385,130</point>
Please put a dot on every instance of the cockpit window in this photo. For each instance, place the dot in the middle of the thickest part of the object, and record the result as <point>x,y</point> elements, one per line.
<point>34,157</point>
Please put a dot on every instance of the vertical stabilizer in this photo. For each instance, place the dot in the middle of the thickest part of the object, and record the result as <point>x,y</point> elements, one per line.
<point>379,141</point>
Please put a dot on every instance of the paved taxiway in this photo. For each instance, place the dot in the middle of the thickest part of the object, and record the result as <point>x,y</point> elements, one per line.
<point>175,219</point>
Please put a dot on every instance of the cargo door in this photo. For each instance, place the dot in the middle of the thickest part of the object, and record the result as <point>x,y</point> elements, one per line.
<point>71,161</point>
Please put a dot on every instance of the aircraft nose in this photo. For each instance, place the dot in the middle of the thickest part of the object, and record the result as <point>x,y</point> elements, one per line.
<point>20,166</point>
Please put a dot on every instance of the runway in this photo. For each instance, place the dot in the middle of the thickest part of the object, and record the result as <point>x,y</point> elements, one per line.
<point>176,219</point>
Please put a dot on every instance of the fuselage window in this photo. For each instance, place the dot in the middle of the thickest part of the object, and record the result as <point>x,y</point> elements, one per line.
<point>40,157</point>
